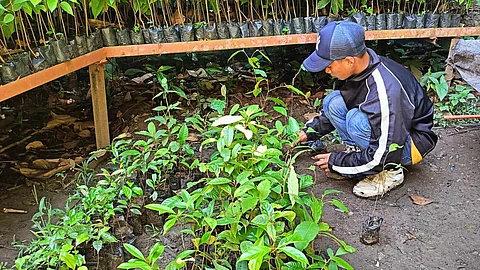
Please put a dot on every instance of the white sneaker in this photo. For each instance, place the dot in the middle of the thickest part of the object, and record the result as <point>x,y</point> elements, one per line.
<point>379,183</point>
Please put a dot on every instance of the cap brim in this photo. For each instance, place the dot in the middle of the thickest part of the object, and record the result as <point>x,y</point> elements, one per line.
<point>315,63</point>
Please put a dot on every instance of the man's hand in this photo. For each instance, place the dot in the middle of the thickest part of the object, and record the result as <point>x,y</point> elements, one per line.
<point>322,161</point>
<point>302,137</point>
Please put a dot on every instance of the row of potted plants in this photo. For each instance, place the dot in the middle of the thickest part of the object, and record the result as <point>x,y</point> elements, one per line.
<point>61,48</point>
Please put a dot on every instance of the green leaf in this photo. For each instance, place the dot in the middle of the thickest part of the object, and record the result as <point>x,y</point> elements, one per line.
<point>289,215</point>
<point>292,185</point>
<point>332,265</point>
<point>219,181</point>
<point>331,191</point>
<point>160,208</point>
<point>52,5</point>
<point>317,209</point>
<point>8,18</point>
<point>218,105</point>
<point>281,110</point>
<point>323,4</point>
<point>134,265</point>
<point>249,203</point>
<point>260,220</point>
<point>183,134</point>
<point>133,71</point>
<point>295,254</point>
<point>81,238</point>
<point>296,90</point>
<point>66,7</point>
<point>169,224</point>
<point>226,120</point>
<point>342,263</point>
<point>134,251</point>
<point>263,189</point>
<point>155,253</point>
<point>308,230</point>
<point>97,245</point>
<point>212,223</point>
<point>340,205</point>
<point>68,259</point>
<point>277,101</point>
<point>254,252</point>
<point>394,147</point>
<point>260,72</point>
<point>442,88</point>
<point>235,53</point>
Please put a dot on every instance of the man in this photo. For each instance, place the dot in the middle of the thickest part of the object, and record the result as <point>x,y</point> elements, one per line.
<point>381,109</point>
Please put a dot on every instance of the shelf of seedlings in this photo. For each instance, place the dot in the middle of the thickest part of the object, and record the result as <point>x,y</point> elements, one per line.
<point>53,38</point>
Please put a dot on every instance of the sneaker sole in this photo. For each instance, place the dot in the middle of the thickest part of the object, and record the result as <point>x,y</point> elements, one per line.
<point>374,196</point>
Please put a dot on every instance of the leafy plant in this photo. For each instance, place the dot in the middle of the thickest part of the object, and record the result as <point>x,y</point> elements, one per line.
<point>435,81</point>
<point>148,263</point>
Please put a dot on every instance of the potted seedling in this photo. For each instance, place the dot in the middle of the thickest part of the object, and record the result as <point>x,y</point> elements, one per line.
<point>186,29</point>
<point>233,27</point>
<point>254,26</point>
<point>409,18</point>
<point>370,18</point>
<point>298,23</point>
<point>319,21</point>
<point>267,24</point>
<point>170,30</point>
<point>222,26</point>
<point>136,34</point>
<point>431,20</point>
<point>278,23</point>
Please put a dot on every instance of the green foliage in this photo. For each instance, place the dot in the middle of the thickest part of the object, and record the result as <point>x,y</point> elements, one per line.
<point>251,204</point>
<point>436,82</point>
<point>148,263</point>
<point>459,101</point>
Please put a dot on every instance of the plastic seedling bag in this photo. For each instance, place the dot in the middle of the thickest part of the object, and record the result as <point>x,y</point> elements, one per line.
<point>359,18</point>
<point>156,35</point>
<point>72,49</point>
<point>255,28</point>
<point>309,25</point>
<point>171,34</point>
<point>381,22</point>
<point>146,36</point>
<point>420,21</point>
<point>267,27</point>
<point>60,48</point>
<point>22,63</point>
<point>123,37</point>
<point>39,61</point>
<point>319,23</point>
<point>94,41</point>
<point>211,31</point>
<point>455,21</point>
<point>49,54</point>
<point>409,21</point>
<point>287,28</point>
<point>399,21</point>
<point>298,25</point>
<point>200,31</point>
<point>109,37</point>
<point>278,27</point>
<point>81,43</point>
<point>186,32</point>
<point>432,20</point>
<point>445,20</point>
<point>244,29</point>
<point>391,21</point>
<point>234,30</point>
<point>8,73</point>
<point>370,22</point>
<point>136,37</point>
<point>222,30</point>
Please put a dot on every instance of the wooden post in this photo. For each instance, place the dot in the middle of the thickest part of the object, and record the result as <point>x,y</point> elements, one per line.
<point>99,103</point>
<point>449,66</point>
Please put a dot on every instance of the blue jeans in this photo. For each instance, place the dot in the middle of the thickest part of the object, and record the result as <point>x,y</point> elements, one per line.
<point>353,126</point>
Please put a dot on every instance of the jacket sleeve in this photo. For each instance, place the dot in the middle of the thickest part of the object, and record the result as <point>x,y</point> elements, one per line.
<point>321,126</point>
<point>388,109</point>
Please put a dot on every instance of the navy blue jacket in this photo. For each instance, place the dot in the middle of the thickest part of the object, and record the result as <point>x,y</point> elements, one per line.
<point>396,106</point>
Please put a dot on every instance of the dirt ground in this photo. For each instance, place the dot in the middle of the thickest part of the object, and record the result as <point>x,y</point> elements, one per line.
<point>441,235</point>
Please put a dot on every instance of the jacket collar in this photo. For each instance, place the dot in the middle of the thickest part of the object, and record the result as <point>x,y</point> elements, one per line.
<point>374,61</point>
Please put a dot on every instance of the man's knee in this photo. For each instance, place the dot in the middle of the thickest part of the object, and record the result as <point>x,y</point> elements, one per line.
<point>357,124</point>
<point>333,104</point>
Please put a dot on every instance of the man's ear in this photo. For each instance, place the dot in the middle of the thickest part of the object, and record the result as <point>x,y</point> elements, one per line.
<point>350,60</point>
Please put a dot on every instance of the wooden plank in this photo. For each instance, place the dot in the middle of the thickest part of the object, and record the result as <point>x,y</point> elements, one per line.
<point>449,65</point>
<point>39,78</point>
<point>24,84</point>
<point>99,103</point>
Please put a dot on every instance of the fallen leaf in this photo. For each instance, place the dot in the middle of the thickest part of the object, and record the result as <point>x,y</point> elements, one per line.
<point>44,168</point>
<point>142,78</point>
<point>192,137</point>
<point>59,120</point>
<point>417,199</point>
<point>411,236</point>
<point>309,116</point>
<point>303,101</point>
<point>85,133</point>
<point>127,97</point>
<point>318,95</point>
<point>34,145</point>
<point>70,144</point>
<point>99,153</point>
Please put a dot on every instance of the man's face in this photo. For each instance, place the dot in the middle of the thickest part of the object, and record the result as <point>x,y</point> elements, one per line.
<point>341,69</point>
